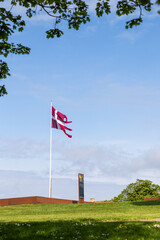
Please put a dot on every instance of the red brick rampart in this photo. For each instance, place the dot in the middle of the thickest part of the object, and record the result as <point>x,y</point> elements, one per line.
<point>34,200</point>
<point>151,199</point>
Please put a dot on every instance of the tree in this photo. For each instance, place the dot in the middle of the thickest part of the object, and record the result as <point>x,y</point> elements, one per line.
<point>138,191</point>
<point>74,12</point>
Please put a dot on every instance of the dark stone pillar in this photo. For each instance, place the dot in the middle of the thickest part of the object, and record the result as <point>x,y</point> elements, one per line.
<point>81,187</point>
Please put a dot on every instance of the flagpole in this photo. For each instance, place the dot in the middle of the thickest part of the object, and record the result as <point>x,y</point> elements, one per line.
<point>50,167</point>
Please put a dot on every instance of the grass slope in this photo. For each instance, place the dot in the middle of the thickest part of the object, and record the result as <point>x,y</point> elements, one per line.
<point>80,221</point>
<point>98,211</point>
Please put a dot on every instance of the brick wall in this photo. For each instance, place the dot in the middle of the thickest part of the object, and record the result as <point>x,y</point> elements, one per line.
<point>34,200</point>
<point>151,199</point>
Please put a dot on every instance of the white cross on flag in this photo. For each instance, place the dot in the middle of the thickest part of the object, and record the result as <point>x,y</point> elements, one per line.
<point>59,120</point>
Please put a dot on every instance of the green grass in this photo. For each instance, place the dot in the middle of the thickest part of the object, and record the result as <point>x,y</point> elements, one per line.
<point>80,221</point>
<point>98,211</point>
<point>81,230</point>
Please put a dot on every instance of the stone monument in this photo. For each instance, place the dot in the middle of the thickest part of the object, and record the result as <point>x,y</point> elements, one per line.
<point>81,187</point>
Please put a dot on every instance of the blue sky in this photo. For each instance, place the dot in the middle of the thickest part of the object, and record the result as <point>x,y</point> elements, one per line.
<point>106,80</point>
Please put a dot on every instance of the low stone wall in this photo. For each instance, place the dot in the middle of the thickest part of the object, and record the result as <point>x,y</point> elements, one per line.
<point>34,200</point>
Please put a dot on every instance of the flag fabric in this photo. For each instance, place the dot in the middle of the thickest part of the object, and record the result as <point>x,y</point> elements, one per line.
<point>59,120</point>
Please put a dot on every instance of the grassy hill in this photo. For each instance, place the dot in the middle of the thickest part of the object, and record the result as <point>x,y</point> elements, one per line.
<point>96,211</point>
<point>81,221</point>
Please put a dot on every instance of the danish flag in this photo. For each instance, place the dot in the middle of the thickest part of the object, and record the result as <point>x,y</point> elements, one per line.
<point>59,120</point>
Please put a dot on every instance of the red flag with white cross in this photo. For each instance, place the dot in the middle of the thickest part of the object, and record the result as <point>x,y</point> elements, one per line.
<point>59,121</point>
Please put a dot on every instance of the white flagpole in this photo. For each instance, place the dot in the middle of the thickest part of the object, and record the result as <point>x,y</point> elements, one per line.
<point>50,169</point>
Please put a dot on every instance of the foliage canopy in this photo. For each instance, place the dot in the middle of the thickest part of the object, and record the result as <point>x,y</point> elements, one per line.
<point>138,191</point>
<point>74,12</point>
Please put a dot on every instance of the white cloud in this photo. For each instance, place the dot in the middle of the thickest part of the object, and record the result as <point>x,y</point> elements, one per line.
<point>123,92</point>
<point>26,163</point>
<point>110,164</point>
<point>45,93</point>
<point>21,148</point>
<point>131,35</point>
<point>23,154</point>
<point>26,183</point>
<point>23,184</point>
<point>92,5</point>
